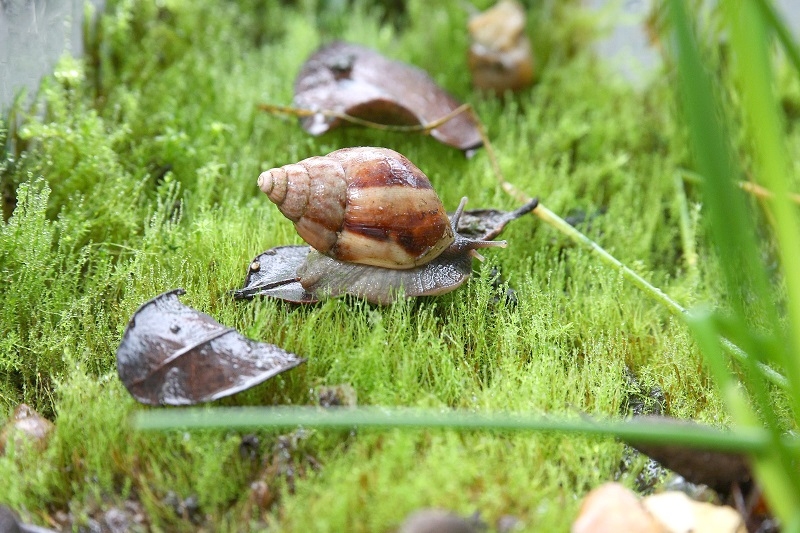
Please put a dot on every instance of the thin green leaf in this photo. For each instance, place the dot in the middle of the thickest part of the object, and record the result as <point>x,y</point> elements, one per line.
<point>751,440</point>
<point>754,76</point>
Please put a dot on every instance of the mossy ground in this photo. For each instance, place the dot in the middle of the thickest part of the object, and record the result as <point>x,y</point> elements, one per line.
<point>135,174</point>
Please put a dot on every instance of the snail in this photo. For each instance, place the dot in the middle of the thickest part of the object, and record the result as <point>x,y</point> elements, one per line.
<point>376,226</point>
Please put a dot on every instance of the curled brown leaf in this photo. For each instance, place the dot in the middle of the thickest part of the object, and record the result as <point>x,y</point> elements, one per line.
<point>172,354</point>
<point>359,82</point>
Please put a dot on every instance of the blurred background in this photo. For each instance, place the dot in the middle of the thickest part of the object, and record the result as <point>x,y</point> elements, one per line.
<point>34,34</point>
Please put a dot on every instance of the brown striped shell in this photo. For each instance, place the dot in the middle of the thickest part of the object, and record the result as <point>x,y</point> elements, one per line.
<point>378,228</point>
<point>362,205</point>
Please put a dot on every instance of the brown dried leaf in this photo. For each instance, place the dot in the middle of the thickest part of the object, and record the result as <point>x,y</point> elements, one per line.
<point>718,470</point>
<point>359,82</point>
<point>26,425</point>
<point>274,273</point>
<point>172,354</point>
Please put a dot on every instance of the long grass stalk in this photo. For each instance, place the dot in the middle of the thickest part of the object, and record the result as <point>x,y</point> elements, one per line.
<point>546,215</point>
<point>734,236</point>
<point>687,234</point>
<point>754,71</point>
<point>749,440</point>
<point>781,31</point>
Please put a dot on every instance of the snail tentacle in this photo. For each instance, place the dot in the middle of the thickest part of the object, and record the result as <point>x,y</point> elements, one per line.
<point>466,245</point>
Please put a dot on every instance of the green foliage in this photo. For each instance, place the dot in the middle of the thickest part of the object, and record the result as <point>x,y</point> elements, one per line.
<point>134,173</point>
<point>753,320</point>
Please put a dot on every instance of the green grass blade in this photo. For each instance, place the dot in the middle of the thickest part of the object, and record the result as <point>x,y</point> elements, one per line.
<point>782,31</point>
<point>733,233</point>
<point>754,76</point>
<point>751,440</point>
<point>729,217</point>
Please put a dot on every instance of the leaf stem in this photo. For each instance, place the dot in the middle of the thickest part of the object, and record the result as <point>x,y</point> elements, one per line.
<point>652,291</point>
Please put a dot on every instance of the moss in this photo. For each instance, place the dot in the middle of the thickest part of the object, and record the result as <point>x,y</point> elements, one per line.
<point>134,173</point>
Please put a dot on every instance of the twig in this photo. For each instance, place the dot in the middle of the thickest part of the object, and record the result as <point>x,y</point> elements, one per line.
<point>764,193</point>
<point>418,128</point>
<point>748,186</point>
<point>653,292</point>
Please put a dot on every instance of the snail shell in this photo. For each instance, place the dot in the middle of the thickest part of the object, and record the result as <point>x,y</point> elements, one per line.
<point>369,206</point>
<point>377,227</point>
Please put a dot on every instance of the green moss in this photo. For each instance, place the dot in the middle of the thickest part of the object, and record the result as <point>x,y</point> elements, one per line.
<point>135,173</point>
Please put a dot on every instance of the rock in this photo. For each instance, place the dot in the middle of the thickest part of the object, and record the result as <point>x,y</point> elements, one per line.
<point>440,521</point>
<point>612,508</point>
<point>681,514</point>
<point>26,425</point>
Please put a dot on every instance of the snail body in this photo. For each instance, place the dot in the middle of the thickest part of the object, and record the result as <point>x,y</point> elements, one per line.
<point>375,224</point>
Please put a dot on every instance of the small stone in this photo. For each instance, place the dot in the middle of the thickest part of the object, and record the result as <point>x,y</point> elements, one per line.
<point>680,513</point>
<point>508,523</point>
<point>8,520</point>
<point>26,425</point>
<point>441,521</point>
<point>612,508</point>
<point>500,56</point>
<point>260,495</point>
<point>248,448</point>
<point>337,396</point>
<point>116,521</point>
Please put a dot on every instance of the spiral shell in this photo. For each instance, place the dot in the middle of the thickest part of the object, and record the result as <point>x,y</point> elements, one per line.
<point>362,205</point>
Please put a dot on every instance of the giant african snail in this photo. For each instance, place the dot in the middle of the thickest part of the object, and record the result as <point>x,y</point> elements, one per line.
<point>376,223</point>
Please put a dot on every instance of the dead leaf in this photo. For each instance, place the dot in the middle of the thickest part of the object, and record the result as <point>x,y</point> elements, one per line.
<point>26,425</point>
<point>274,273</point>
<point>172,354</point>
<point>718,470</point>
<point>359,82</point>
<point>500,56</point>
